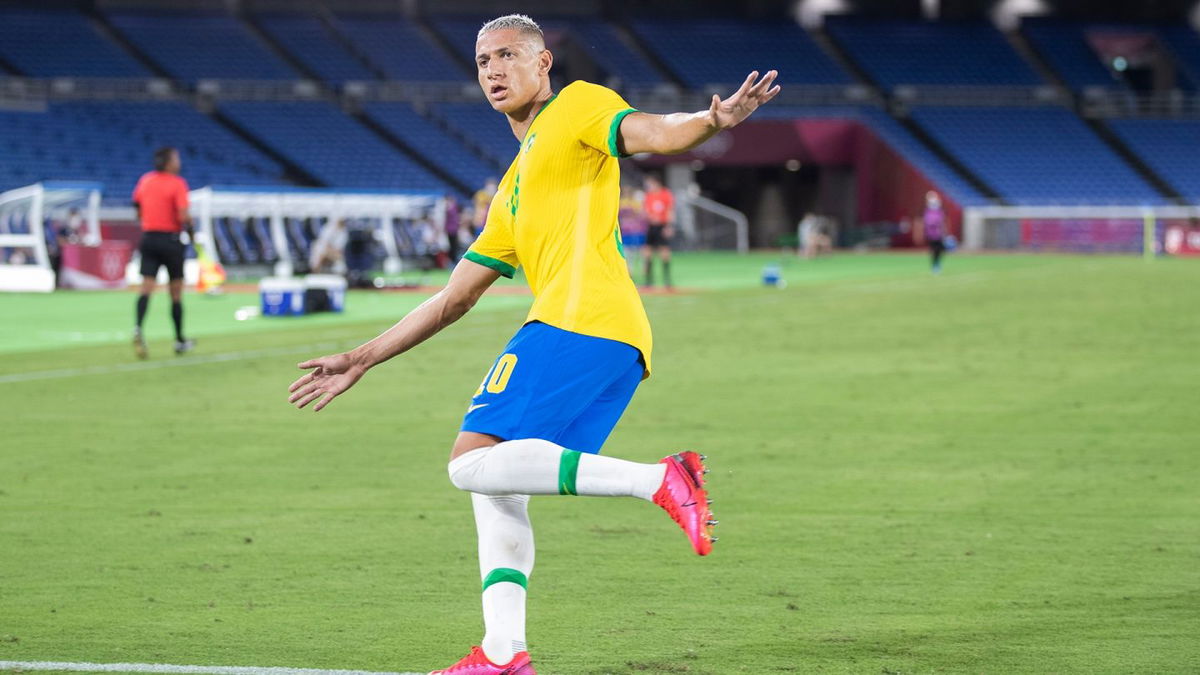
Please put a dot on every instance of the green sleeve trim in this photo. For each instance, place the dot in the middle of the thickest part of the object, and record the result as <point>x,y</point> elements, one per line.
<point>505,574</point>
<point>568,468</point>
<point>614,129</point>
<point>499,265</point>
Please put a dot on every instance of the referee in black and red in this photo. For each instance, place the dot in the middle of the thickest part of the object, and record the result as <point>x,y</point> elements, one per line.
<point>161,199</point>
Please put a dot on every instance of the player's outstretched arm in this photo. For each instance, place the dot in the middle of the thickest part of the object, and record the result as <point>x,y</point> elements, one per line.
<point>330,376</point>
<point>680,132</point>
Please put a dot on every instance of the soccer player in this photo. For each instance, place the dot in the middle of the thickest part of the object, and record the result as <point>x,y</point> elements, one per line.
<point>161,199</point>
<point>547,404</point>
<point>660,214</point>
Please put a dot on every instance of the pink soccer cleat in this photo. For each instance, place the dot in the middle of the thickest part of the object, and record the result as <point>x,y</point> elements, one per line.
<point>477,663</point>
<point>682,496</point>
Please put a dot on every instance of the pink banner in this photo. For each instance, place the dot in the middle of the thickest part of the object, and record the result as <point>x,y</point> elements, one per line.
<point>93,267</point>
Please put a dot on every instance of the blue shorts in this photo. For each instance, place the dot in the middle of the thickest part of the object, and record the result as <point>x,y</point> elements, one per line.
<point>633,238</point>
<point>558,386</point>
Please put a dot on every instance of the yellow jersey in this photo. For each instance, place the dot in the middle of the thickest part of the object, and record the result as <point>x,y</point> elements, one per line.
<point>555,214</point>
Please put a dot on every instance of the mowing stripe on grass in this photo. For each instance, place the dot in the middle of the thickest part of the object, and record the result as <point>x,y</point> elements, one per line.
<point>197,360</point>
<point>170,668</point>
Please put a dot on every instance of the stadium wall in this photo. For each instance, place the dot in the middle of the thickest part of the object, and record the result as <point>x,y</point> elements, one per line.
<point>889,188</point>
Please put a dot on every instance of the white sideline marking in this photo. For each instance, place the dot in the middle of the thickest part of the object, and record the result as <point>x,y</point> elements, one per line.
<point>170,668</point>
<point>197,360</point>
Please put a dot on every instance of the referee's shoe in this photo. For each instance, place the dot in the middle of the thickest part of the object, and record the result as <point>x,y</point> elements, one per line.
<point>184,346</point>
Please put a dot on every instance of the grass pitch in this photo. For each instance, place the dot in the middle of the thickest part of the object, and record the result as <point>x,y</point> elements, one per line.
<point>991,471</point>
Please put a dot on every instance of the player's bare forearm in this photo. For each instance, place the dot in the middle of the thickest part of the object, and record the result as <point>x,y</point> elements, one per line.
<point>330,376</point>
<point>467,284</point>
<point>680,132</point>
<point>667,134</point>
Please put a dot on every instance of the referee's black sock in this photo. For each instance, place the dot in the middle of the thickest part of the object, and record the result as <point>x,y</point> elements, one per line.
<point>143,302</point>
<point>177,317</point>
<point>667,273</point>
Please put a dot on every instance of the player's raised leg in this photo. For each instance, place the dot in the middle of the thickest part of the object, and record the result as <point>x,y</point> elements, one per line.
<point>538,467</point>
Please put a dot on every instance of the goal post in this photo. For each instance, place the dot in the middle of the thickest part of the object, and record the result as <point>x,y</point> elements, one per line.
<point>24,214</point>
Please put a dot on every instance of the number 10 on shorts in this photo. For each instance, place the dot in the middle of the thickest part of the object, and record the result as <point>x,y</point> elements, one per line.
<point>496,381</point>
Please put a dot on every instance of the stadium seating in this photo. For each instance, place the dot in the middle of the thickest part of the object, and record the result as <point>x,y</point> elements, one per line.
<point>597,38</point>
<point>1183,43</point>
<point>184,44</point>
<point>113,142</point>
<point>897,137</point>
<point>1036,155</point>
<point>400,48</point>
<point>1169,147</point>
<point>60,43</point>
<point>330,145</point>
<point>725,55</point>
<point>432,142</point>
<point>604,45</point>
<point>941,53</point>
<point>1064,46</point>
<point>485,127</point>
<point>310,41</point>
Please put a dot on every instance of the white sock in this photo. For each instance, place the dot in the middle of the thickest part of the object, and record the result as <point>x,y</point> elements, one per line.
<point>536,467</point>
<point>505,562</point>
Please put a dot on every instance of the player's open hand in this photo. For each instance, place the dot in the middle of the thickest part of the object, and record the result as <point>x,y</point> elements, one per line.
<point>745,100</point>
<point>328,377</point>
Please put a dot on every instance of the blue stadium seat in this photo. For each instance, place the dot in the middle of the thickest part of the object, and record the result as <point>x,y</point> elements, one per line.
<point>486,128</point>
<point>1169,147</point>
<point>198,45</point>
<point>601,42</point>
<point>432,142</point>
<point>60,43</point>
<point>1036,156</point>
<point>726,56</point>
<point>599,39</point>
<point>1063,44</point>
<point>113,142</point>
<point>308,40</point>
<point>400,49</point>
<point>940,53</point>
<point>331,145</point>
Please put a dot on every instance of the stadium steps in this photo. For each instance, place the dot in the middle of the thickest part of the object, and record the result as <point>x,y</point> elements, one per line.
<point>841,56</point>
<point>639,47</point>
<point>443,43</point>
<point>952,161</point>
<point>335,28</point>
<point>9,69</point>
<point>1025,49</point>
<point>468,141</point>
<point>630,39</point>
<point>108,30</point>
<point>425,163</point>
<point>271,44</point>
<point>293,172</point>
<point>1113,141</point>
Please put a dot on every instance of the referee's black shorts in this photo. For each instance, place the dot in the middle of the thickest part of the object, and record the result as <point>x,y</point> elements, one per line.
<point>159,249</point>
<point>656,235</point>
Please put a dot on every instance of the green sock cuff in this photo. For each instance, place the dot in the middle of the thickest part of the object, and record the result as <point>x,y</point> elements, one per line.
<point>568,469</point>
<point>505,574</point>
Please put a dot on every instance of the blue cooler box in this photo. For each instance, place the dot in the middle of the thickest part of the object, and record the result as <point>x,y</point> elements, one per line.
<point>281,296</point>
